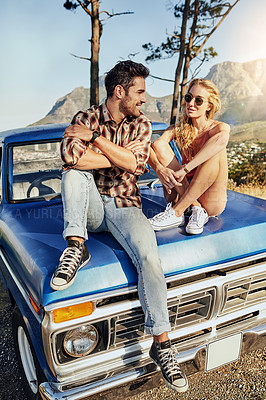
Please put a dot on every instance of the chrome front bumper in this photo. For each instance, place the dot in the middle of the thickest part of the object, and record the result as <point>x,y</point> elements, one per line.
<point>144,378</point>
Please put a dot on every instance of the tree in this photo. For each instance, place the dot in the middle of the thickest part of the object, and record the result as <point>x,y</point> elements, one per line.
<point>199,20</point>
<point>91,8</point>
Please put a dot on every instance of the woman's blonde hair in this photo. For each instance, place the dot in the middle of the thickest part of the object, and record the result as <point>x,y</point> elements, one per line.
<point>185,132</point>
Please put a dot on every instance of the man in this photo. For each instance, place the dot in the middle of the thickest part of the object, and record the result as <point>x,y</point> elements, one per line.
<point>105,150</point>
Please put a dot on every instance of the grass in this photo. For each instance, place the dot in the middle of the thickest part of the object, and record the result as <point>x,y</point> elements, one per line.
<point>252,190</point>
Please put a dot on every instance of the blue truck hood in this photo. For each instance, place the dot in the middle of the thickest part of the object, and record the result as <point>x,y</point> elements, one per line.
<point>239,232</point>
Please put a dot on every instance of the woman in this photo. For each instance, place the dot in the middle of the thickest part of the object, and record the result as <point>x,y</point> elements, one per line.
<point>201,181</point>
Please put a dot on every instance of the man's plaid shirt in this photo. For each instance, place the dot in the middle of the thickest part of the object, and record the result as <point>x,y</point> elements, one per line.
<point>114,182</point>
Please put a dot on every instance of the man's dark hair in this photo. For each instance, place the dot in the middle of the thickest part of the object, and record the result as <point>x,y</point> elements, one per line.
<point>124,73</point>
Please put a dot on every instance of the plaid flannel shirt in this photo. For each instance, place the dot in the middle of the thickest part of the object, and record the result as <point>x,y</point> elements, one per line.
<point>114,182</point>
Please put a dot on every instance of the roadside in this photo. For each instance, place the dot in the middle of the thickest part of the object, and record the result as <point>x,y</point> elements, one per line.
<point>242,380</point>
<point>10,381</point>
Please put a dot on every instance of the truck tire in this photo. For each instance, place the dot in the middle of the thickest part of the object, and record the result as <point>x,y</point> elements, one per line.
<point>31,372</point>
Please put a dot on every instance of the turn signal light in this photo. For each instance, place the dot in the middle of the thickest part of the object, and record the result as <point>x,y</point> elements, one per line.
<point>34,305</point>
<point>76,311</point>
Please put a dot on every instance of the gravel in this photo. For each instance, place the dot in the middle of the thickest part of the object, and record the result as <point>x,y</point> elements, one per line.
<point>241,380</point>
<point>10,381</point>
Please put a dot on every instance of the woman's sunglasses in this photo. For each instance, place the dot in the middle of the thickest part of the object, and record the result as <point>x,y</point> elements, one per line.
<point>198,100</point>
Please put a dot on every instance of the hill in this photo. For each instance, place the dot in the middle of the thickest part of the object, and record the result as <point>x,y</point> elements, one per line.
<point>157,109</point>
<point>249,132</point>
<point>242,89</point>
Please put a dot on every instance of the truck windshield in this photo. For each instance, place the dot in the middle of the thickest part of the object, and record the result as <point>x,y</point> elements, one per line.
<point>34,171</point>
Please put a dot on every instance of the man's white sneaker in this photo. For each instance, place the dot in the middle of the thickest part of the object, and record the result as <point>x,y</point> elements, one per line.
<point>166,219</point>
<point>197,220</point>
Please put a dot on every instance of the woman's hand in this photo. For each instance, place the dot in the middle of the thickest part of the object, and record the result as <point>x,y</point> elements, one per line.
<point>79,130</point>
<point>180,175</point>
<point>168,178</point>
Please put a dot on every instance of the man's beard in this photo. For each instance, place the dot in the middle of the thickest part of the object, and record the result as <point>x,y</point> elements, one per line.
<point>127,110</point>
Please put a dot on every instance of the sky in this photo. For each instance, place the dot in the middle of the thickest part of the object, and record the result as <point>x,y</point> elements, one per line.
<point>37,38</point>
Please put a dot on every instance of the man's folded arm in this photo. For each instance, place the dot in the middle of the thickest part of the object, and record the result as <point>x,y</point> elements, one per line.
<point>132,157</point>
<point>75,153</point>
<point>93,160</point>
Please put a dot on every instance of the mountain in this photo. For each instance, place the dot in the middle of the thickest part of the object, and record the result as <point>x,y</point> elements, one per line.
<point>157,109</point>
<point>242,89</point>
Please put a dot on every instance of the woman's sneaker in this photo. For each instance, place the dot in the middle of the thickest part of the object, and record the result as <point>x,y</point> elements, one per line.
<point>162,354</point>
<point>72,259</point>
<point>166,219</point>
<point>197,220</point>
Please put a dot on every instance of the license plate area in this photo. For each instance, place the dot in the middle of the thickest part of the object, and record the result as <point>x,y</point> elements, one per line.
<point>223,351</point>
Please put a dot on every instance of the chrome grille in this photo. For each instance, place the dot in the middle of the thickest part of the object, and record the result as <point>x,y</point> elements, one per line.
<point>127,328</point>
<point>244,292</point>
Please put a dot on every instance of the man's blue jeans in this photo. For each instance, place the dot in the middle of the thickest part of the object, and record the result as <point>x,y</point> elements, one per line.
<point>86,210</point>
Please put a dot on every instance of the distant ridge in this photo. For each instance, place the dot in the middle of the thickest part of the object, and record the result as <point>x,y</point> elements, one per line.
<point>242,88</point>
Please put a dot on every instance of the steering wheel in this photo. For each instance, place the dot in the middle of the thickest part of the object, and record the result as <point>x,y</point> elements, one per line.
<point>38,183</point>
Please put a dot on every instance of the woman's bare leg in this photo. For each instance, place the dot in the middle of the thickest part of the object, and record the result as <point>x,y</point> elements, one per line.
<point>215,197</point>
<point>208,186</point>
<point>168,159</point>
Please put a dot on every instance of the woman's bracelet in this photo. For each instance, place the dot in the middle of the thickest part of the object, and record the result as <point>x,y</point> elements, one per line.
<point>185,169</point>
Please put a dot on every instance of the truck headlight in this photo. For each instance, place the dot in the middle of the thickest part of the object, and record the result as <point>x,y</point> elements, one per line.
<point>81,341</point>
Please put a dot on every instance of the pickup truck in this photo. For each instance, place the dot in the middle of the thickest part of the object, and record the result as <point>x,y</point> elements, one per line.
<point>88,341</point>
